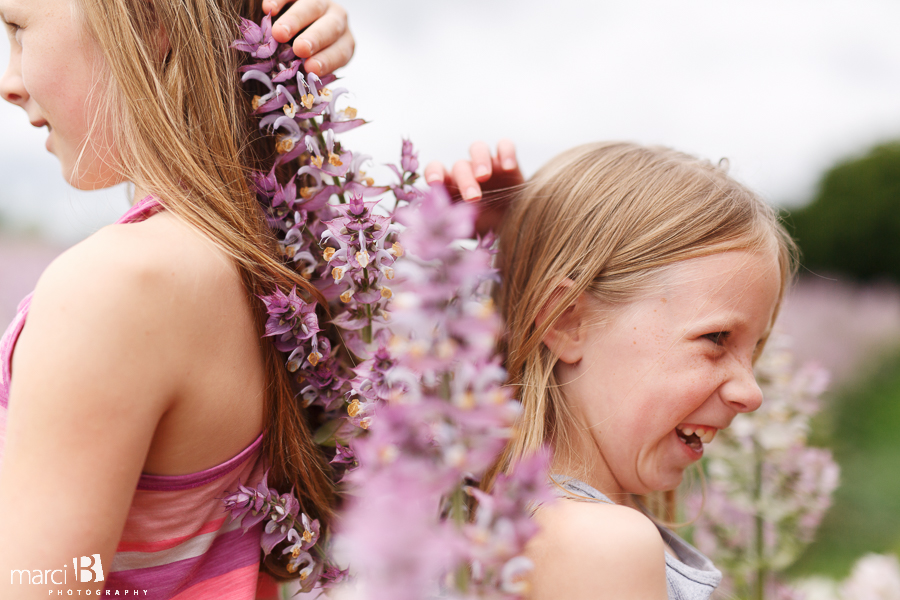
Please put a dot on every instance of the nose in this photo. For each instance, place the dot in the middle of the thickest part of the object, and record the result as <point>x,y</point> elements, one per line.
<point>741,391</point>
<point>12,88</point>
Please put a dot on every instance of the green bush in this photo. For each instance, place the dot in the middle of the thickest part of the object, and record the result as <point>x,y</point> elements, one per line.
<point>852,226</point>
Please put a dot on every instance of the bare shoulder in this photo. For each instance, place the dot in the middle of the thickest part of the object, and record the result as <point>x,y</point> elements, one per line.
<point>592,550</point>
<point>161,250</point>
<point>156,313</point>
<point>157,263</point>
<point>152,287</point>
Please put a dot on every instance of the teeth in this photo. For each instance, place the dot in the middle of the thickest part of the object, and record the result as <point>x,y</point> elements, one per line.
<point>708,436</point>
<point>705,434</point>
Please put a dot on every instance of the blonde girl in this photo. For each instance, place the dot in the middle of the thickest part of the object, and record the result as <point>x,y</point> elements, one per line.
<point>138,390</point>
<point>638,287</point>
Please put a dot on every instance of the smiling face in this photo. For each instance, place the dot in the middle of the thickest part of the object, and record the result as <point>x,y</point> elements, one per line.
<point>664,373</point>
<point>54,76</point>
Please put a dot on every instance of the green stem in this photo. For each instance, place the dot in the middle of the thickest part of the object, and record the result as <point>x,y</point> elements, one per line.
<point>458,514</point>
<point>337,182</point>
<point>761,570</point>
<point>367,330</point>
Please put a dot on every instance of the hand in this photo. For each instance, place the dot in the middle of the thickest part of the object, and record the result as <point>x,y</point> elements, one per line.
<point>483,177</point>
<point>325,40</point>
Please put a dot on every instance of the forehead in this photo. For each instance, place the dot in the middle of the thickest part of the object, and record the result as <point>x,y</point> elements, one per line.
<point>736,287</point>
<point>48,7</point>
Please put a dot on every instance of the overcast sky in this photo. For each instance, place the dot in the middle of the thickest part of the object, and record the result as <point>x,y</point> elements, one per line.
<point>783,88</point>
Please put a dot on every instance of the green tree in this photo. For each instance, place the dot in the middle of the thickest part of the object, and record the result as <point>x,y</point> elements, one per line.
<point>852,226</point>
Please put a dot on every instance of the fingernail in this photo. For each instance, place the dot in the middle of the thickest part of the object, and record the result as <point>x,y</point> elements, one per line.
<point>313,65</point>
<point>309,46</point>
<point>284,29</point>
<point>509,164</point>
<point>471,193</point>
<point>429,179</point>
<point>481,171</point>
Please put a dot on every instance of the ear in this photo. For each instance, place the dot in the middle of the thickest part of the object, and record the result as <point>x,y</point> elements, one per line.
<point>567,335</point>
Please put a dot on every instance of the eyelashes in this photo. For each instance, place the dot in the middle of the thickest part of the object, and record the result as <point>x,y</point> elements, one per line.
<point>718,337</point>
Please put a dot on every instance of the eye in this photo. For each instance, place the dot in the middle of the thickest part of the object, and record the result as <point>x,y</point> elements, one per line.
<point>13,30</point>
<point>718,337</point>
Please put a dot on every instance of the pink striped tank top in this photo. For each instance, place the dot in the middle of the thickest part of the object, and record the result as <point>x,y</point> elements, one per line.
<point>177,541</point>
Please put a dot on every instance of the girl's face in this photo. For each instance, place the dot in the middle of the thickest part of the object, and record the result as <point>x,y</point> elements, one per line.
<point>54,76</point>
<point>663,374</point>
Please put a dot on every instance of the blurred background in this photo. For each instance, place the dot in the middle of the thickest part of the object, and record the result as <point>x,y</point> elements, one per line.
<point>801,97</point>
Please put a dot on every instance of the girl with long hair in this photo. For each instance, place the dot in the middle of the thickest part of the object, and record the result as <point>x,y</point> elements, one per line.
<point>135,386</point>
<point>639,285</point>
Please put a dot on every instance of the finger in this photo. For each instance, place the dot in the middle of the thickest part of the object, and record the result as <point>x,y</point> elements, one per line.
<point>299,15</point>
<point>435,173</point>
<point>332,58</point>
<point>481,160</point>
<point>322,33</point>
<point>506,155</point>
<point>465,180</point>
<point>273,6</point>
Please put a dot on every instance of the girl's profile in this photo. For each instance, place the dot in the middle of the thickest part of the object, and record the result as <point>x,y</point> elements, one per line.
<point>135,387</point>
<point>638,286</point>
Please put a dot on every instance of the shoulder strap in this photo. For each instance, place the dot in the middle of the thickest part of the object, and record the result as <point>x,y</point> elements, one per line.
<point>140,210</point>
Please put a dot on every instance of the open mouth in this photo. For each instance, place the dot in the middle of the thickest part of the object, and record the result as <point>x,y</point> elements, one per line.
<point>694,436</point>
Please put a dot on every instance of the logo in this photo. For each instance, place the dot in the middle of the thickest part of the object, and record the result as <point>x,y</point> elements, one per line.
<point>91,570</point>
<point>88,569</point>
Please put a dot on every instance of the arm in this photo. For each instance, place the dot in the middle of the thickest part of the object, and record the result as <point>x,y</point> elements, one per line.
<point>324,36</point>
<point>93,374</point>
<point>477,178</point>
<point>588,551</point>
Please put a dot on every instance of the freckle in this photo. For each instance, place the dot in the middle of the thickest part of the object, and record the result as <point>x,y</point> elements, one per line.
<point>664,300</point>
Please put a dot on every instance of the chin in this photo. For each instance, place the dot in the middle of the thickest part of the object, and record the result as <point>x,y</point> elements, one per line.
<point>669,482</point>
<point>88,182</point>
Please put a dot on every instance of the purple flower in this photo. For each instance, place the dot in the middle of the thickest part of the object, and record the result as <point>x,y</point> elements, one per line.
<point>258,40</point>
<point>344,455</point>
<point>282,513</point>
<point>403,369</point>
<point>409,160</point>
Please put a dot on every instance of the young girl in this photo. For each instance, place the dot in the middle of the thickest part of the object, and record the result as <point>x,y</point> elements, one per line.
<point>638,287</point>
<point>135,388</point>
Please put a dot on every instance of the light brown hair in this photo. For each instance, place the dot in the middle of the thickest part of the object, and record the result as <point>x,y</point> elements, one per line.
<point>183,133</point>
<point>610,217</point>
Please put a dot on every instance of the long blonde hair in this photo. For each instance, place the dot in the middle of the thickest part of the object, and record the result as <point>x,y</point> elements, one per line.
<point>183,132</point>
<point>608,216</point>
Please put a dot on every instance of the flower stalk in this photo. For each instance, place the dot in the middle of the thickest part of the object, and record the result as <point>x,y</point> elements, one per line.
<point>400,365</point>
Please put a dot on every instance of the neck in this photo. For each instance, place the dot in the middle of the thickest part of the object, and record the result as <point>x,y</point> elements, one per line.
<point>139,194</point>
<point>580,457</point>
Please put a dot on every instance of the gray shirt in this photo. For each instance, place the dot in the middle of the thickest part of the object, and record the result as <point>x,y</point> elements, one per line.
<point>689,574</point>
